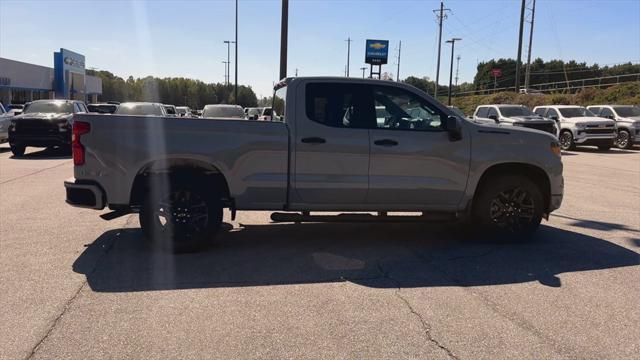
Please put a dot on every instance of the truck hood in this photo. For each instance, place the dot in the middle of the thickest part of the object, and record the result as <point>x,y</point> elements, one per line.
<point>42,116</point>
<point>530,118</point>
<point>590,120</point>
<point>516,131</point>
<point>631,119</point>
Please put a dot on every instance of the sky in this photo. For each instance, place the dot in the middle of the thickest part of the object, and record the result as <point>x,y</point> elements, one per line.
<point>185,38</point>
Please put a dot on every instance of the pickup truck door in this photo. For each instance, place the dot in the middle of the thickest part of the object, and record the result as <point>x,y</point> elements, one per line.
<point>413,163</point>
<point>331,150</point>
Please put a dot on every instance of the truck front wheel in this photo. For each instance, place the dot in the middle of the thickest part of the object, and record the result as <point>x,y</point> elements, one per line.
<point>566,140</point>
<point>179,216</point>
<point>18,150</point>
<point>508,208</point>
<point>623,140</point>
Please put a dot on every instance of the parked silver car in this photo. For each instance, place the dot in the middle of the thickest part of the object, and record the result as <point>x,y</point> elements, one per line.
<point>513,115</point>
<point>223,111</point>
<point>141,109</point>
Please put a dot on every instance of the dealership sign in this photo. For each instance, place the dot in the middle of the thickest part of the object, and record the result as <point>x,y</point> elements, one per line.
<point>376,52</point>
<point>69,74</point>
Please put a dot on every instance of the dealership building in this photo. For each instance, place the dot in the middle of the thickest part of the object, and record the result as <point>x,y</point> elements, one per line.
<point>21,82</point>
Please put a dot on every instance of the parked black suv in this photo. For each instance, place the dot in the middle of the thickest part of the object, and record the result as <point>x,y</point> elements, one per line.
<point>44,123</point>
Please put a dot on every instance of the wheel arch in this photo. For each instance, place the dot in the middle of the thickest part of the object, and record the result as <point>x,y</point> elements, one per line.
<point>199,171</point>
<point>532,172</point>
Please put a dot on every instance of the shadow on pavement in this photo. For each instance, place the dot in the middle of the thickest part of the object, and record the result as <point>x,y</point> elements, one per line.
<point>595,150</point>
<point>597,225</point>
<point>45,154</point>
<point>374,255</point>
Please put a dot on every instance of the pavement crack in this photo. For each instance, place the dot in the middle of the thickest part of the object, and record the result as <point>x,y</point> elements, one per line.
<point>69,302</point>
<point>33,173</point>
<point>423,323</point>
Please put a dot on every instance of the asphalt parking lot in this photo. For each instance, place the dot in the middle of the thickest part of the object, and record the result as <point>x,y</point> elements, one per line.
<point>75,286</point>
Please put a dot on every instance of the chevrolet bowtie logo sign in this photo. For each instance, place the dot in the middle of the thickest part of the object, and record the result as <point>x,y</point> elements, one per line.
<point>376,52</point>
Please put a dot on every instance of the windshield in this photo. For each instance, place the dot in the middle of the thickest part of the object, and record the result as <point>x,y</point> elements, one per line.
<point>254,111</point>
<point>511,111</point>
<point>266,112</point>
<point>223,111</point>
<point>139,109</point>
<point>50,107</point>
<point>627,111</point>
<point>170,110</point>
<point>575,112</point>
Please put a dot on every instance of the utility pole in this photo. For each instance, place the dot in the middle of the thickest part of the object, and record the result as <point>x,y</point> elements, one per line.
<point>364,68</point>
<point>457,68</point>
<point>348,54</point>
<point>284,35</point>
<point>236,67</point>
<point>453,44</point>
<point>441,16</point>
<point>528,71</point>
<point>228,42</point>
<point>399,50</point>
<point>296,72</point>
<point>520,46</point>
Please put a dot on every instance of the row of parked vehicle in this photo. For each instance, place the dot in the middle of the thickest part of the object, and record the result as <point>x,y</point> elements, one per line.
<point>603,126</point>
<point>48,123</point>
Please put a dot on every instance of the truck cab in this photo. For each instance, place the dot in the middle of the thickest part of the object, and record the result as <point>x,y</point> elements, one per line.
<point>627,118</point>
<point>579,126</point>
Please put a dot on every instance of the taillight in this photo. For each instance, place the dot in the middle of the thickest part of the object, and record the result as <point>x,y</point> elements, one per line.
<point>79,128</point>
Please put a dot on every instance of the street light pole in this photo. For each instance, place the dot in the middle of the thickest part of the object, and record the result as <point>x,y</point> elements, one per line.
<point>453,44</point>
<point>284,35</point>
<point>229,42</point>
<point>226,72</point>
<point>236,67</point>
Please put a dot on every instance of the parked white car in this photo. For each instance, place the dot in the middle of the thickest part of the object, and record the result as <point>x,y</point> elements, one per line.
<point>141,108</point>
<point>4,125</point>
<point>184,111</point>
<point>513,115</point>
<point>579,126</point>
<point>627,118</point>
<point>223,111</point>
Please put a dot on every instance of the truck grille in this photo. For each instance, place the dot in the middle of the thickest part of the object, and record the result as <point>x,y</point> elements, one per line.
<point>550,128</point>
<point>600,131</point>
<point>36,127</point>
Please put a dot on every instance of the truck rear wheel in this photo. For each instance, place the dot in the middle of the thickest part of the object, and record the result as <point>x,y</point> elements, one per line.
<point>508,208</point>
<point>179,216</point>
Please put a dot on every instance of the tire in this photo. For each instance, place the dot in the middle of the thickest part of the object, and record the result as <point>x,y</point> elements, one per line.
<point>194,218</point>
<point>508,208</point>
<point>566,140</point>
<point>18,150</point>
<point>623,140</point>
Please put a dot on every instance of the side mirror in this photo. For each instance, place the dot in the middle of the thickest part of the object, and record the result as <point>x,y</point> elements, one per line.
<point>611,117</point>
<point>454,128</point>
<point>554,118</point>
<point>493,117</point>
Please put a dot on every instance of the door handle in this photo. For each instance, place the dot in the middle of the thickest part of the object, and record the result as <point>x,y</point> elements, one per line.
<point>313,140</point>
<point>386,142</point>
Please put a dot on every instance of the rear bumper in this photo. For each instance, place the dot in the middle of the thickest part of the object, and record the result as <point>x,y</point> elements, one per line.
<point>84,194</point>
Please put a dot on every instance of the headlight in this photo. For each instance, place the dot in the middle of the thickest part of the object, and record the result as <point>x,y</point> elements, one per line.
<point>581,126</point>
<point>636,124</point>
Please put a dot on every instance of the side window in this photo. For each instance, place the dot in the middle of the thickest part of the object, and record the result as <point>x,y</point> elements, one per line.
<point>76,108</point>
<point>339,105</point>
<point>606,113</point>
<point>551,113</point>
<point>482,112</point>
<point>492,112</point>
<point>540,111</point>
<point>596,110</point>
<point>400,109</point>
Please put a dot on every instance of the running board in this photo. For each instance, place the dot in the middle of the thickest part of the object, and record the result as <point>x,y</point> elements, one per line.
<point>362,217</point>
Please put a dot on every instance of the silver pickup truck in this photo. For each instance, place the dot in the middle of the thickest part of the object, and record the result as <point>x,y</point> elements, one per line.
<point>330,149</point>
